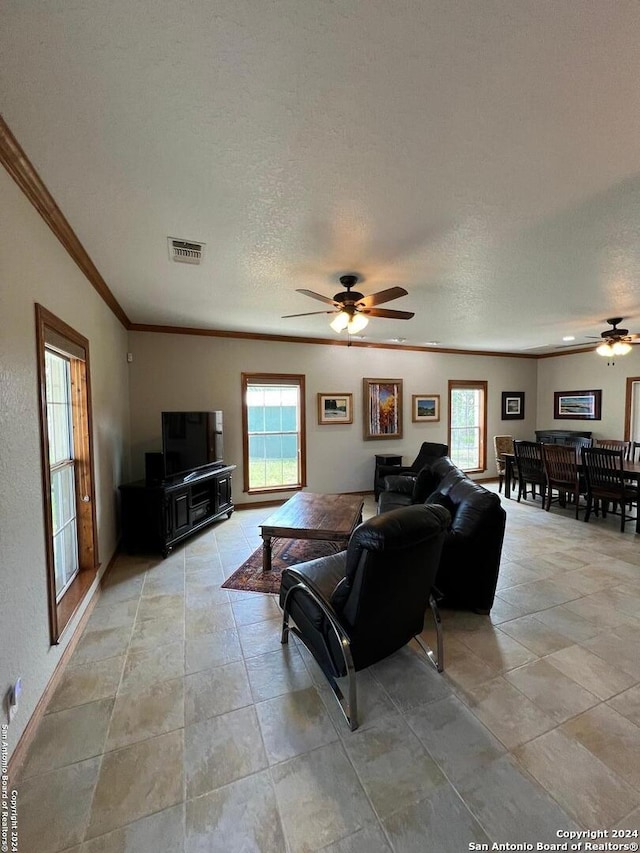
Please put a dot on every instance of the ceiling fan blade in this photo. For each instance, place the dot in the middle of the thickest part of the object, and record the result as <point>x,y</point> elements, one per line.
<point>306,314</point>
<point>387,312</point>
<point>382,296</point>
<point>315,295</point>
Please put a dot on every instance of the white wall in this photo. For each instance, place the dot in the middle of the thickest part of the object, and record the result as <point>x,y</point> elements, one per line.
<point>184,372</point>
<point>35,268</point>
<point>585,371</point>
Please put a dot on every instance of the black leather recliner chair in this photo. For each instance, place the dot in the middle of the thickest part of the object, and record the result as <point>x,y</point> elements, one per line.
<point>470,561</point>
<point>428,453</point>
<point>356,607</point>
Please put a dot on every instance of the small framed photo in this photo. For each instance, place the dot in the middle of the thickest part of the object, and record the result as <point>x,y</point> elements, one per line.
<point>425,407</point>
<point>577,405</point>
<point>512,405</point>
<point>335,408</point>
<point>382,408</point>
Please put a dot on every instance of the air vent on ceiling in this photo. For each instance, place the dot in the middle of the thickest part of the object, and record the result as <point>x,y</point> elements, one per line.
<point>185,251</point>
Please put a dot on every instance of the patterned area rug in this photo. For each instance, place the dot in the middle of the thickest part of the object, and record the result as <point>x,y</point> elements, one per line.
<point>284,553</point>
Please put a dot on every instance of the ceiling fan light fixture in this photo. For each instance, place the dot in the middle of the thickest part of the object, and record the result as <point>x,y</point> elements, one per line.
<point>605,350</point>
<point>352,322</point>
<point>341,321</point>
<point>357,323</point>
<point>621,348</point>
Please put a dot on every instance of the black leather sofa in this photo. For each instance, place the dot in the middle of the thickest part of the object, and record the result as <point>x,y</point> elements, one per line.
<point>470,561</point>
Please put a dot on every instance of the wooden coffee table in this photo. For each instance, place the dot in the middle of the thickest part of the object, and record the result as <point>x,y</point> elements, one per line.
<point>310,516</point>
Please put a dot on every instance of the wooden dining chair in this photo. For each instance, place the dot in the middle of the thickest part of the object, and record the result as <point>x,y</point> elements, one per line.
<point>530,468</point>
<point>561,469</point>
<point>614,444</point>
<point>502,444</point>
<point>634,452</point>
<point>604,475</point>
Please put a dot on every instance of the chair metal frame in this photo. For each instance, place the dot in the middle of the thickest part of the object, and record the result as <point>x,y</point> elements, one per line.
<point>349,707</point>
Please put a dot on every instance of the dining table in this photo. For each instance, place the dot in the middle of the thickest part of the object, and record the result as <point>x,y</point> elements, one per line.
<point>630,469</point>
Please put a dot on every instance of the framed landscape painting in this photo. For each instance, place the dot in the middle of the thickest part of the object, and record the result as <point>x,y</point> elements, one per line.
<point>425,407</point>
<point>577,405</point>
<point>512,405</point>
<point>382,406</point>
<point>335,408</point>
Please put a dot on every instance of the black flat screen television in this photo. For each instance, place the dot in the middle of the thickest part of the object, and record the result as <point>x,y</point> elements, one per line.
<point>191,441</point>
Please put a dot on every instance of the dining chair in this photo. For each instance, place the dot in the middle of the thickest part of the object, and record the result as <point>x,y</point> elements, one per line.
<point>613,444</point>
<point>561,469</point>
<point>604,475</point>
<point>634,451</point>
<point>530,468</point>
<point>502,444</point>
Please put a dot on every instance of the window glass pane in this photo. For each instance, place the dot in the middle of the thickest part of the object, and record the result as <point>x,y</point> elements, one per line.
<point>273,440</point>
<point>70,553</point>
<point>290,418</point>
<point>63,496</point>
<point>256,418</point>
<point>466,425</point>
<point>58,383</point>
<point>58,560</point>
<point>273,419</point>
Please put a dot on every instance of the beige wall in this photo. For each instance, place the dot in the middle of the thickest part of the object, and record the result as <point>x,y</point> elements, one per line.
<point>184,372</point>
<point>587,371</point>
<point>35,268</point>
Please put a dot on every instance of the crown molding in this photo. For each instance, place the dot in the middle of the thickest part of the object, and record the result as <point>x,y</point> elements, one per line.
<point>292,339</point>
<point>24,174</point>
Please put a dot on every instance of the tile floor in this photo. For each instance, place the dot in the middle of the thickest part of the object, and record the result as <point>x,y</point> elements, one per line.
<point>182,724</point>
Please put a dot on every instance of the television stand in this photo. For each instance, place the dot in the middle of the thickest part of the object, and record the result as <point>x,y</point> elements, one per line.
<point>158,517</point>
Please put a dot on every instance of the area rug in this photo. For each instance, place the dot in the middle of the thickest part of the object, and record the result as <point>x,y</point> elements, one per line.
<point>284,553</point>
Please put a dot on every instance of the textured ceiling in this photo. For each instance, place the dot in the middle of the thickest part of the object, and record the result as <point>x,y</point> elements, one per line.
<point>483,155</point>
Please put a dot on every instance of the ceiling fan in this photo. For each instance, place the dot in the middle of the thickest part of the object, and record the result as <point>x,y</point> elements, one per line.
<point>615,341</point>
<point>353,309</point>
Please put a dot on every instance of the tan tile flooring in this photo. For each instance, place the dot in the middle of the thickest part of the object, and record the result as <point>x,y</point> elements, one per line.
<point>182,724</point>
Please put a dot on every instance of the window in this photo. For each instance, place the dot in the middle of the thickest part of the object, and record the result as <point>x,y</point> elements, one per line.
<point>67,467</point>
<point>61,469</point>
<point>468,424</point>
<point>273,432</point>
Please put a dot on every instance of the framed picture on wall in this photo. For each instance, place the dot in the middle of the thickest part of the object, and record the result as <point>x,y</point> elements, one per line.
<point>425,407</point>
<point>577,405</point>
<point>382,406</point>
<point>335,408</point>
<point>512,405</point>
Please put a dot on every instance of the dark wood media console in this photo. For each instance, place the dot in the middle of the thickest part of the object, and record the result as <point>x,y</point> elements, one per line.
<point>157,517</point>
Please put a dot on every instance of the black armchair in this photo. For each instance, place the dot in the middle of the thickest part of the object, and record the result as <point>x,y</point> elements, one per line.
<point>354,608</point>
<point>429,452</point>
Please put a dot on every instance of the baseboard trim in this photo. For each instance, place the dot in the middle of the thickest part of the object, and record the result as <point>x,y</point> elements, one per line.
<point>22,747</point>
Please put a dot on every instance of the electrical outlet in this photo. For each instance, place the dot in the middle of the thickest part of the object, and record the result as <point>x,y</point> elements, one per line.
<point>13,699</point>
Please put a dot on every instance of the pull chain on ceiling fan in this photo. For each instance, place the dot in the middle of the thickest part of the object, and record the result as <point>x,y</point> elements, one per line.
<point>353,309</point>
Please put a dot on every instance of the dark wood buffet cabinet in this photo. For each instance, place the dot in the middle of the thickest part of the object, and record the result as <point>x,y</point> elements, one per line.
<point>157,517</point>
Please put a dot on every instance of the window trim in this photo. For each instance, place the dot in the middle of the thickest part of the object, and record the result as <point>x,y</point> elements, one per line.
<point>475,385</point>
<point>53,332</point>
<point>296,379</point>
